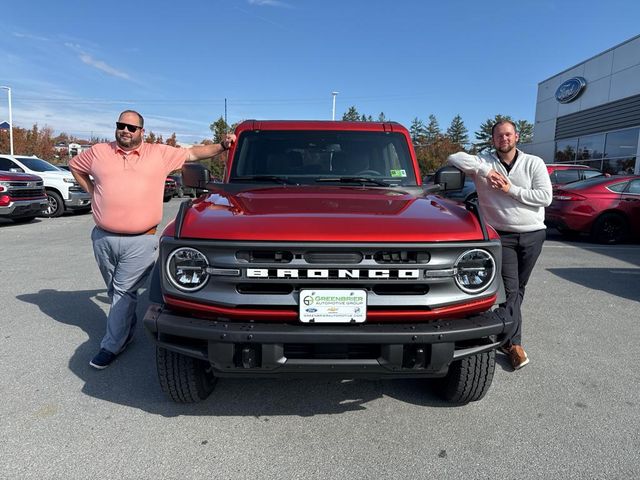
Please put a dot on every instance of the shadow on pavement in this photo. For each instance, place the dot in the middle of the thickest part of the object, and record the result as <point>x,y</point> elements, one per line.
<point>622,282</point>
<point>131,380</point>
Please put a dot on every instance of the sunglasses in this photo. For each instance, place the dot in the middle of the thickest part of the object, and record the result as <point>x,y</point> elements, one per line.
<point>122,126</point>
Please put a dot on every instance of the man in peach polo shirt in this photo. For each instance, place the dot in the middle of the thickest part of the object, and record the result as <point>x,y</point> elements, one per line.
<point>127,190</point>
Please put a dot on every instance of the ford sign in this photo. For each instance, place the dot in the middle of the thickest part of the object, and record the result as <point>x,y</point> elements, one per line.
<point>570,89</point>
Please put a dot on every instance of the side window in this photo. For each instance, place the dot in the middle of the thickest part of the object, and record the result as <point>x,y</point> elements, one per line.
<point>6,165</point>
<point>591,173</point>
<point>634,187</point>
<point>567,176</point>
<point>553,178</point>
<point>618,187</point>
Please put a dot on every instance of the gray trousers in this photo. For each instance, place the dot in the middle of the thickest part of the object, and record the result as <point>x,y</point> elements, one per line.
<point>125,263</point>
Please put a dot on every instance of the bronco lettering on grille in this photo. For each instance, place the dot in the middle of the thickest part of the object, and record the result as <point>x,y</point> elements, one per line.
<point>332,273</point>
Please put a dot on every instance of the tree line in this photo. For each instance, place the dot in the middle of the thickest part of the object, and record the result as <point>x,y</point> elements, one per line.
<point>431,143</point>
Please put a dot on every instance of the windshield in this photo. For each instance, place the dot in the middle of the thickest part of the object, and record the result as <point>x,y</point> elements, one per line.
<point>38,165</point>
<point>304,157</point>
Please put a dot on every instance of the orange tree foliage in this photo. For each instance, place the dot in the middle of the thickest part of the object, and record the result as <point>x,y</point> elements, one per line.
<point>434,155</point>
<point>29,142</point>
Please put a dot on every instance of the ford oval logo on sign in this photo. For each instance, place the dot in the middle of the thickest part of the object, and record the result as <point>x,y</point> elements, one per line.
<point>570,89</point>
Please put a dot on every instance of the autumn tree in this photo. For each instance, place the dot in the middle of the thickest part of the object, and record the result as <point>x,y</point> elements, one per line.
<point>172,140</point>
<point>150,137</point>
<point>433,155</point>
<point>383,118</point>
<point>457,132</point>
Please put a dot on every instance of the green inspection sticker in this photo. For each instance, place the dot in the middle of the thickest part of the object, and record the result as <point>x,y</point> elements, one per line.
<point>398,173</point>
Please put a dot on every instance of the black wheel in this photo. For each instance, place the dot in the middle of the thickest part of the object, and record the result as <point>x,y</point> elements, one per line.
<point>469,379</point>
<point>610,228</point>
<point>179,192</point>
<point>24,219</point>
<point>55,207</point>
<point>184,379</point>
<point>166,199</point>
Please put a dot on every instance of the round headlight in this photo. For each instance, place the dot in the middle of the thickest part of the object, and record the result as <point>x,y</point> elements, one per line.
<point>187,269</point>
<point>474,270</point>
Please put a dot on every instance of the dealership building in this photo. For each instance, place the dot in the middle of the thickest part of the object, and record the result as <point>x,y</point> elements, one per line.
<point>590,113</point>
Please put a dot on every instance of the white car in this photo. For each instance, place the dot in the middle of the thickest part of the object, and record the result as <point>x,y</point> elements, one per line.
<point>63,192</point>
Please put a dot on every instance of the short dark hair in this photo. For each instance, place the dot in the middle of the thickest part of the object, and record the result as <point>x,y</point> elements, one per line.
<point>140,117</point>
<point>501,122</point>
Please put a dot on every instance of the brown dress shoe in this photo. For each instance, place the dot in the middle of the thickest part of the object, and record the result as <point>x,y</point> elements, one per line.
<point>518,357</point>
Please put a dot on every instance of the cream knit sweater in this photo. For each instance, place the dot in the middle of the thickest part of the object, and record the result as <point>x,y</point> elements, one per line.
<point>521,209</point>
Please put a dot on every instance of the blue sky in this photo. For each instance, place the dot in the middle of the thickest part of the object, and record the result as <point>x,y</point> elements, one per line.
<point>74,65</point>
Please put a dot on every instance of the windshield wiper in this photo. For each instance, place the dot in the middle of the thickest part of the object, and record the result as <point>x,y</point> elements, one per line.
<point>263,178</point>
<point>364,180</point>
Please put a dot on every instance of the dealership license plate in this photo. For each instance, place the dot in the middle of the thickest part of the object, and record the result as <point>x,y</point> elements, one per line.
<point>333,306</point>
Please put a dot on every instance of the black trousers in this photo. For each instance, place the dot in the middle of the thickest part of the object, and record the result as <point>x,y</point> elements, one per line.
<point>520,251</point>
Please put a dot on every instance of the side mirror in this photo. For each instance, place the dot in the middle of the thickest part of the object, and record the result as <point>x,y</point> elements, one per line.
<point>195,175</point>
<point>449,178</point>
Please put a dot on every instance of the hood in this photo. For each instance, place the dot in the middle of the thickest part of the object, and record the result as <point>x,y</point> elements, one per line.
<point>18,176</point>
<point>328,213</point>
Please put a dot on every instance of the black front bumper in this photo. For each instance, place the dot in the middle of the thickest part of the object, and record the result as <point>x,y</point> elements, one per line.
<point>363,350</point>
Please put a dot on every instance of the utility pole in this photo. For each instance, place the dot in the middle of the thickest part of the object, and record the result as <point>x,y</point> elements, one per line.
<point>333,111</point>
<point>8,89</point>
<point>225,111</point>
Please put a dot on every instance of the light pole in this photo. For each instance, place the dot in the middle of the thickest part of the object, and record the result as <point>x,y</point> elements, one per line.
<point>333,111</point>
<point>8,89</point>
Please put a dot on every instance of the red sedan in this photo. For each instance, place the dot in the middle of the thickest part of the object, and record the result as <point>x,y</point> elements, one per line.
<point>608,208</point>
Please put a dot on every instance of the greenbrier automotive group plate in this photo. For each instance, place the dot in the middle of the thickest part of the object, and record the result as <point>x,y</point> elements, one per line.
<point>333,306</point>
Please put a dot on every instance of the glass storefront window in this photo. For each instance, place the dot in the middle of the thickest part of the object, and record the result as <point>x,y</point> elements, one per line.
<point>623,143</point>
<point>566,150</point>
<point>591,146</point>
<point>619,166</point>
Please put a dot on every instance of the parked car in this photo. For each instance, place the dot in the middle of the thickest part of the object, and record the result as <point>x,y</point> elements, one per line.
<point>563,173</point>
<point>607,208</point>
<point>169,189</point>
<point>181,189</point>
<point>63,191</point>
<point>22,196</point>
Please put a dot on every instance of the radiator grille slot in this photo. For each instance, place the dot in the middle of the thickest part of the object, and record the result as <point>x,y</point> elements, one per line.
<point>264,256</point>
<point>401,256</point>
<point>343,258</point>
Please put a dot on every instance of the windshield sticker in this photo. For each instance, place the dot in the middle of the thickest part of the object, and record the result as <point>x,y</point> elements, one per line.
<point>398,173</point>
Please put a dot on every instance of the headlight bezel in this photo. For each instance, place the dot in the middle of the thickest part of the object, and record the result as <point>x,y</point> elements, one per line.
<point>172,270</point>
<point>485,285</point>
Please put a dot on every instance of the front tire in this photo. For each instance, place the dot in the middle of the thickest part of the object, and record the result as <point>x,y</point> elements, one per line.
<point>55,207</point>
<point>469,379</point>
<point>184,379</point>
<point>166,199</point>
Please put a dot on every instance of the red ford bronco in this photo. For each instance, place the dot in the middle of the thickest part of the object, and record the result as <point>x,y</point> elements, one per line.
<point>322,253</point>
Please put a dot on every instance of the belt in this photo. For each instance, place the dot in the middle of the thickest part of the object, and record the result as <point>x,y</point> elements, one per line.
<point>151,231</point>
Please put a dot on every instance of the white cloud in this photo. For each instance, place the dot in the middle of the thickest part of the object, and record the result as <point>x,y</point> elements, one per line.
<point>100,65</point>
<point>268,3</point>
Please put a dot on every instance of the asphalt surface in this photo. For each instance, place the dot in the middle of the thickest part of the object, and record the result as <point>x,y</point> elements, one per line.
<point>572,413</point>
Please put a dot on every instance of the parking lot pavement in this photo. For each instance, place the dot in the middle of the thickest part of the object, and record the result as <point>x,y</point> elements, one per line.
<point>573,412</point>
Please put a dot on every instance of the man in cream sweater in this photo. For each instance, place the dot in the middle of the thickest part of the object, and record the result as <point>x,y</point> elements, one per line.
<point>513,189</point>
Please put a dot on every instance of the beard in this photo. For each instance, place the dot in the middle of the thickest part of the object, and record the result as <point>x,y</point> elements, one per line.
<point>127,142</point>
<point>506,148</point>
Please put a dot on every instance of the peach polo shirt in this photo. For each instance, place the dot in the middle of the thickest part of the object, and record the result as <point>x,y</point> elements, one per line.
<point>128,186</point>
